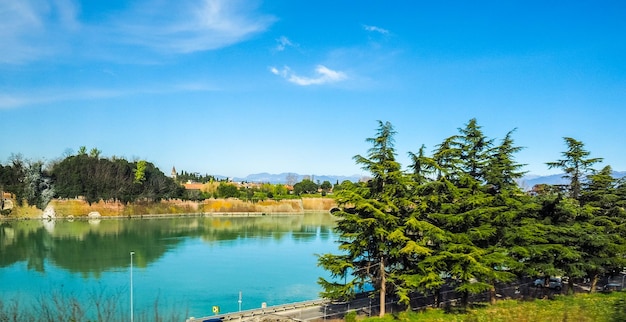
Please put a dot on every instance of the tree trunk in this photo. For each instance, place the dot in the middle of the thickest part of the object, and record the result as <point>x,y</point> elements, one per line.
<point>492,295</point>
<point>464,299</point>
<point>383,288</point>
<point>594,283</point>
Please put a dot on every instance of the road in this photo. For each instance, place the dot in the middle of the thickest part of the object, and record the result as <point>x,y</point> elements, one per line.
<point>301,311</point>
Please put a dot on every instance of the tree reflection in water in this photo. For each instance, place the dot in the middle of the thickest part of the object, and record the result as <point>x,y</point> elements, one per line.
<point>91,248</point>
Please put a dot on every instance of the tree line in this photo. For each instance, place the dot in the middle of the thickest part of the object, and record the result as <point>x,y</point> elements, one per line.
<point>88,175</point>
<point>85,175</point>
<point>259,191</point>
<point>458,218</point>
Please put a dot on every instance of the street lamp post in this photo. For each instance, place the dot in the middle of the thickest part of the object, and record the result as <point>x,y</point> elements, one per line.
<point>131,286</point>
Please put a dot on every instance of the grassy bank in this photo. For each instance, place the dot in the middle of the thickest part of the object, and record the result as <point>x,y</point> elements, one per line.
<point>81,208</point>
<point>597,307</point>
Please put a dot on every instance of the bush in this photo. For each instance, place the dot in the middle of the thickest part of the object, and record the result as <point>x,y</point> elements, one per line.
<point>350,317</point>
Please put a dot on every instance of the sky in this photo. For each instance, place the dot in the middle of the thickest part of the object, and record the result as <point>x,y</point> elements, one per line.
<point>229,87</point>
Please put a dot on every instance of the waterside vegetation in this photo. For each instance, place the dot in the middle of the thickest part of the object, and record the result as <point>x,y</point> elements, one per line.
<point>87,182</point>
<point>78,208</point>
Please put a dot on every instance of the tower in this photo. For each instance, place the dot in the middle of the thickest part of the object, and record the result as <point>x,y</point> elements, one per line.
<point>174,174</point>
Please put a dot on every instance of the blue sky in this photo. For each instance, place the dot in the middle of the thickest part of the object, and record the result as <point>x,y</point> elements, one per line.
<point>238,87</point>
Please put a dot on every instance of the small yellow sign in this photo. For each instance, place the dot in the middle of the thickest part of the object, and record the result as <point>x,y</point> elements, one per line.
<point>216,309</point>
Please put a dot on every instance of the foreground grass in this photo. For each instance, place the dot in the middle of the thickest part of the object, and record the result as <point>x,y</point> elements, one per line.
<point>580,308</point>
<point>96,306</point>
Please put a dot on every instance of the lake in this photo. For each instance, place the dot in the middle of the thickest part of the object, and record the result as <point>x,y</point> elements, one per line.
<point>184,265</point>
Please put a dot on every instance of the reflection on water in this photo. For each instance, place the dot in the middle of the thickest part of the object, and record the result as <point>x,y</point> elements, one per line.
<point>170,253</point>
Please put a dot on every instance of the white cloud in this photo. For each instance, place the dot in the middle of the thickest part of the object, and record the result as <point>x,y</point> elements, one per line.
<point>188,26</point>
<point>324,75</point>
<point>284,42</point>
<point>376,29</point>
<point>9,101</point>
<point>34,97</point>
<point>35,29</point>
<point>32,29</point>
<point>66,12</point>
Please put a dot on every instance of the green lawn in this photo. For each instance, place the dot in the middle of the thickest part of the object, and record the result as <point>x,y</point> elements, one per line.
<point>597,307</point>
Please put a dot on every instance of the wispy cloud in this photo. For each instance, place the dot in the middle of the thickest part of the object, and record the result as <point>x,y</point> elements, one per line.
<point>376,29</point>
<point>35,97</point>
<point>14,100</point>
<point>187,26</point>
<point>324,75</point>
<point>284,42</point>
<point>33,29</point>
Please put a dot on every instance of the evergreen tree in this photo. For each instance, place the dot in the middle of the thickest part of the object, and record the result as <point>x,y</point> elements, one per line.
<point>576,164</point>
<point>448,159</point>
<point>502,172</point>
<point>473,149</point>
<point>571,220</point>
<point>474,257</point>
<point>602,242</point>
<point>601,191</point>
<point>371,225</point>
<point>422,166</point>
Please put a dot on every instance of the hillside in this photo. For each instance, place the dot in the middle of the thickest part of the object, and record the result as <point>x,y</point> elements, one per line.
<point>526,182</point>
<point>283,178</point>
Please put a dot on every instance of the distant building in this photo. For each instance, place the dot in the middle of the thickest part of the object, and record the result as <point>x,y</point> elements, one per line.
<point>193,186</point>
<point>174,174</point>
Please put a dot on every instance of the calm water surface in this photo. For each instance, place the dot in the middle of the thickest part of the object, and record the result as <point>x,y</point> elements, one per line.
<point>187,264</point>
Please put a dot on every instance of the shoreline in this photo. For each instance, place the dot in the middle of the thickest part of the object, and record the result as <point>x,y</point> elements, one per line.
<point>162,216</point>
<point>74,209</point>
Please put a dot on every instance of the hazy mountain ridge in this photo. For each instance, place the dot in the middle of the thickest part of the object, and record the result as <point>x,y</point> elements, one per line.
<point>528,181</point>
<point>283,177</point>
<point>525,182</point>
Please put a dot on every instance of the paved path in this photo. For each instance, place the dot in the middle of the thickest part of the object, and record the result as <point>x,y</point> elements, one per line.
<point>300,311</point>
<point>303,311</point>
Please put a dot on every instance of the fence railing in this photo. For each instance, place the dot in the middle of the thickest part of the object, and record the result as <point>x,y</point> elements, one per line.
<point>322,310</point>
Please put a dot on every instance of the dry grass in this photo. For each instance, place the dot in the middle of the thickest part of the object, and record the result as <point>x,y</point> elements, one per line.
<point>80,208</point>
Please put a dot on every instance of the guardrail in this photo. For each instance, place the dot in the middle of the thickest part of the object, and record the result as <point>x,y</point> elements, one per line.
<point>261,311</point>
<point>326,309</point>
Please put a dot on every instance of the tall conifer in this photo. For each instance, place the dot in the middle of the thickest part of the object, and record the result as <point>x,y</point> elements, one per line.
<point>371,224</point>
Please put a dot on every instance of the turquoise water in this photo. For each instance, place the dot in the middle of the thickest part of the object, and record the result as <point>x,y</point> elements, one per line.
<point>182,265</point>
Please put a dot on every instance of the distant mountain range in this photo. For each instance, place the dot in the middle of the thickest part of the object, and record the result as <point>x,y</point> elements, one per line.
<point>285,176</point>
<point>526,182</point>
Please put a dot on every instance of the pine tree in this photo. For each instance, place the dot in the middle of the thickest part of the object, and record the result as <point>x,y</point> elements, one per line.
<point>474,148</point>
<point>502,172</point>
<point>474,212</point>
<point>423,167</point>
<point>575,164</point>
<point>371,225</point>
<point>602,242</point>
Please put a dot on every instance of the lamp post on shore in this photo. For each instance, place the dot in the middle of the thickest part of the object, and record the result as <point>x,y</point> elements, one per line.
<point>131,286</point>
<point>239,301</point>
